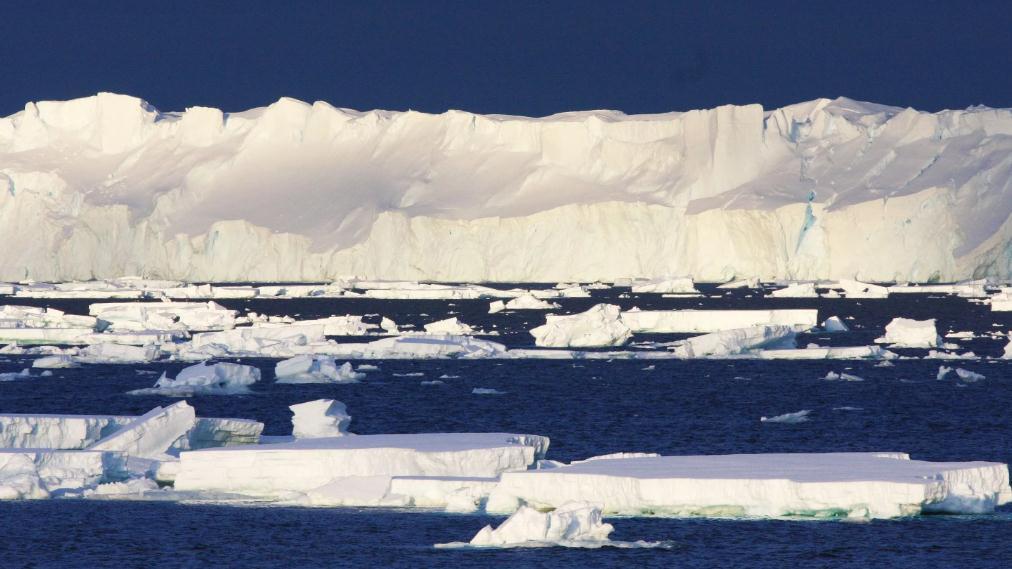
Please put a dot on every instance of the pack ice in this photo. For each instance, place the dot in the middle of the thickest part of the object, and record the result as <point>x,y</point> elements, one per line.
<point>107,186</point>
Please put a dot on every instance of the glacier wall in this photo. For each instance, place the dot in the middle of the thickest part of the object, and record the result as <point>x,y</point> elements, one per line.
<point>108,186</point>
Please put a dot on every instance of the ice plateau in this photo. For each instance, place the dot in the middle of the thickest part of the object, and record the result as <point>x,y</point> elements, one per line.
<point>108,186</point>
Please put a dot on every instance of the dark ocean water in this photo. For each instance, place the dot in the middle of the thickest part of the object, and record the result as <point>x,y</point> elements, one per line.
<point>587,408</point>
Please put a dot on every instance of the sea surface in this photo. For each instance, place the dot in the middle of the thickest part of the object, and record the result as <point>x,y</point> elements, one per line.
<point>587,407</point>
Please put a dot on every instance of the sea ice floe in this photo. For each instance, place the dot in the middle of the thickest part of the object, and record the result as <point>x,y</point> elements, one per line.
<point>319,418</point>
<point>908,333</point>
<point>834,324</point>
<point>842,376</point>
<point>315,369</point>
<point>600,326</point>
<point>871,485</point>
<point>308,464</point>
<point>689,321</point>
<point>790,418</point>
<point>735,341</point>
<point>678,285</point>
<point>202,379</point>
<point>796,290</point>
<point>449,326</point>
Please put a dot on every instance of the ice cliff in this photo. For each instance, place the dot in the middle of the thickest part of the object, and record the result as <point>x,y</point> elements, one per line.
<point>107,186</point>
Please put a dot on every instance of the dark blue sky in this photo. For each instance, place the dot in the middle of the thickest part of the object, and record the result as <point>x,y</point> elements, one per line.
<point>512,56</point>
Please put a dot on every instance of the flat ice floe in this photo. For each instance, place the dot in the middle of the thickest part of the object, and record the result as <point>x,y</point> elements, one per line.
<point>873,485</point>
<point>278,470</point>
<point>690,321</point>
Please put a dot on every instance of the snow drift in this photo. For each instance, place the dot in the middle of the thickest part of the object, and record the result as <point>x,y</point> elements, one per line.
<point>107,186</point>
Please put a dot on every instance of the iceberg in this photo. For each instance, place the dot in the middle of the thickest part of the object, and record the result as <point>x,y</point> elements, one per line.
<point>796,290</point>
<point>42,473</point>
<point>834,324</point>
<point>152,434</point>
<point>203,379</point>
<point>735,341</point>
<point>571,524</point>
<point>599,326</point>
<point>865,485</point>
<point>522,302</point>
<point>690,321</point>
<point>315,369</point>
<point>117,354</point>
<point>15,375</point>
<point>907,333</point>
<point>187,316</point>
<point>1002,301</point>
<point>54,362</point>
<point>681,285</point>
<point>86,192</point>
<point>305,465</point>
<point>320,418</point>
<point>449,326</point>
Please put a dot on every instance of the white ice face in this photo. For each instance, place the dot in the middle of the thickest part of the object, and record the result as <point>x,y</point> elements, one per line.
<point>106,185</point>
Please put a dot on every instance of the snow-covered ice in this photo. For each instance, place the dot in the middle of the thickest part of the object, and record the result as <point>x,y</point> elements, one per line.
<point>315,369</point>
<point>835,324</point>
<point>689,321</point>
<point>152,434</point>
<point>203,379</point>
<point>319,418</point>
<point>735,341</point>
<point>871,485</point>
<point>309,464</point>
<point>908,333</point>
<point>599,326</point>
<point>263,195</point>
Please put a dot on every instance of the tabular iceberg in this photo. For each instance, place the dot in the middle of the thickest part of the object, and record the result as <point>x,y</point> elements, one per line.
<point>107,186</point>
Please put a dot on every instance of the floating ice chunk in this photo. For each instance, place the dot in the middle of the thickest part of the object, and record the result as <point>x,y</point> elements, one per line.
<point>54,362</point>
<point>737,341</point>
<point>680,285</point>
<point>389,326</point>
<point>417,347</point>
<point>907,333</point>
<point>307,464</point>
<point>315,369</point>
<point>688,321</point>
<point>486,391</point>
<point>192,316</point>
<point>1008,349</point>
<point>843,376</point>
<point>795,417</point>
<point>41,473</point>
<point>15,375</point>
<point>432,382</point>
<point>1002,301</point>
<point>574,524</point>
<point>348,325</point>
<point>968,289</point>
<point>834,324</point>
<point>964,374</point>
<point>856,289</point>
<point>871,485</point>
<point>133,487</point>
<point>496,307</point>
<point>529,302</point>
<point>272,341</point>
<point>449,326</point>
<point>796,290</point>
<point>152,434</point>
<point>367,367</point>
<point>117,354</point>
<point>320,418</point>
<point>599,326</point>
<point>743,283</point>
<point>203,379</point>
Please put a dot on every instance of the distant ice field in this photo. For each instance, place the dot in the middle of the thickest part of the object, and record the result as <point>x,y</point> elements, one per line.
<point>587,408</point>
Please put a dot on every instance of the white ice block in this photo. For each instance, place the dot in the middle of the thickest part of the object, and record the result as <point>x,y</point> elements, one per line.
<point>689,321</point>
<point>304,465</point>
<point>735,341</point>
<point>599,326</point>
<point>876,485</point>
<point>152,434</point>
<point>908,333</point>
